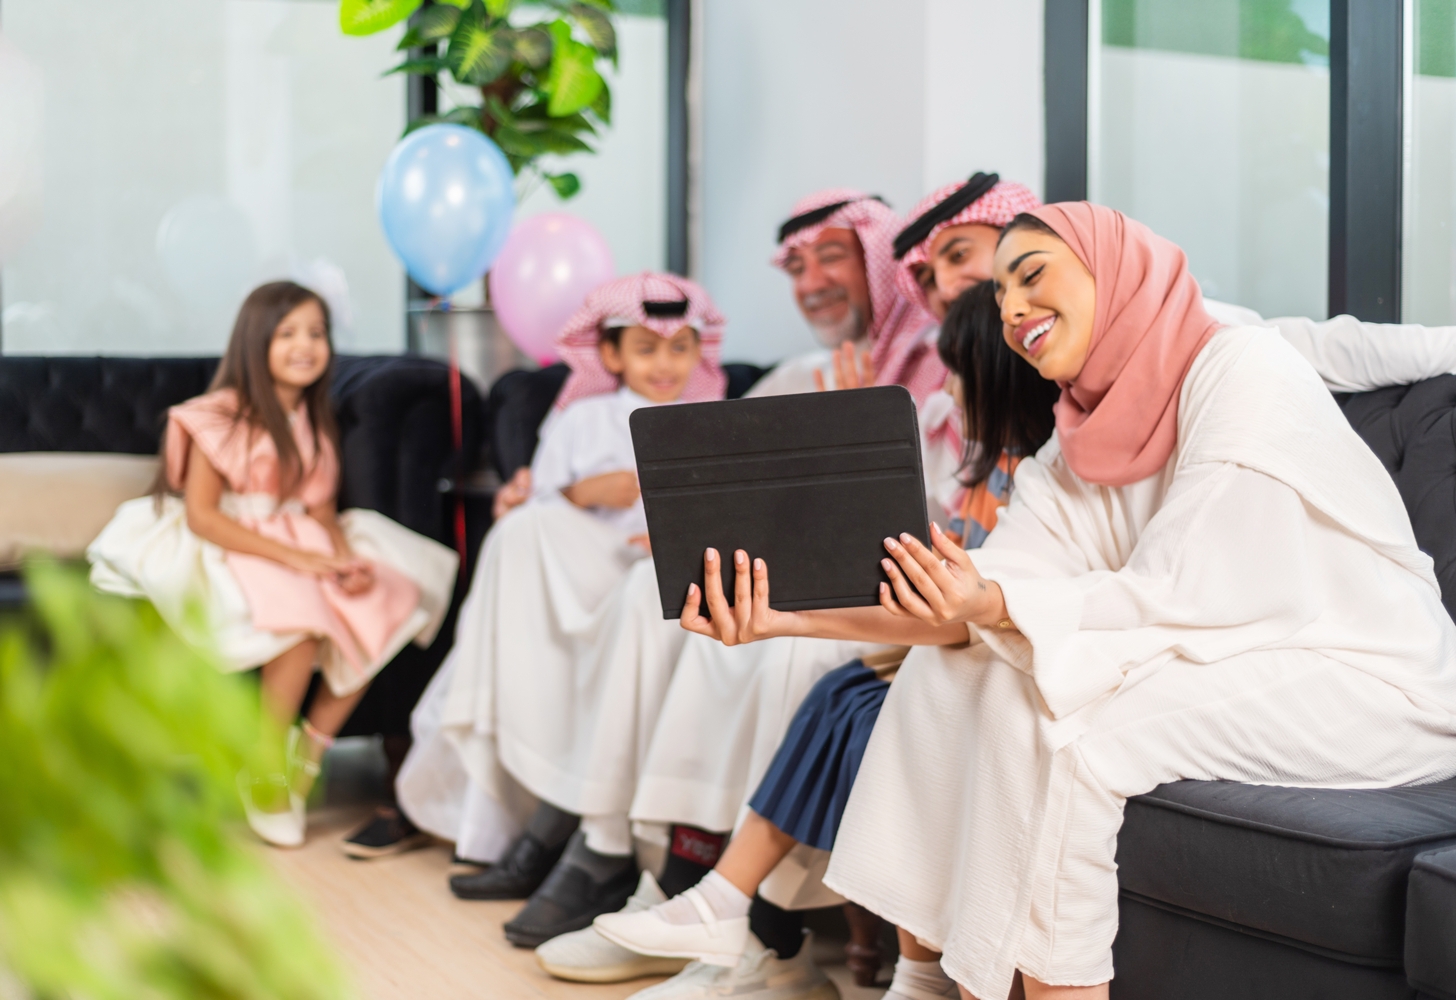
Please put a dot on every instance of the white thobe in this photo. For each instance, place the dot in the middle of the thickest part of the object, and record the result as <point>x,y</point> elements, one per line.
<point>511,710</point>
<point>1256,611</point>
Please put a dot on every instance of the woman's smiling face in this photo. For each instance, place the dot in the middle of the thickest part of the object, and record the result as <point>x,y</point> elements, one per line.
<point>1048,300</point>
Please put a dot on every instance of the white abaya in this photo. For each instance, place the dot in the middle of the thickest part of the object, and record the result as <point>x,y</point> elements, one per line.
<point>1257,611</point>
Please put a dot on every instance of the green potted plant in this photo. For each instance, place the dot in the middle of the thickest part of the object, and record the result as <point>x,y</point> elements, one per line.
<point>535,67</point>
<point>123,869</point>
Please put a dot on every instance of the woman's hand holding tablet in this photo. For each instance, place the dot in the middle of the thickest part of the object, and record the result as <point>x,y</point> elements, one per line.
<point>938,587</point>
<point>939,591</point>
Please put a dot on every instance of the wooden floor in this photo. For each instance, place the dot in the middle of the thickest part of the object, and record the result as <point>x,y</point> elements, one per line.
<point>405,937</point>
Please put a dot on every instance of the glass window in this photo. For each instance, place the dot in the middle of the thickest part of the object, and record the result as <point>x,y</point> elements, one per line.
<point>1428,284</point>
<point>1210,123</point>
<point>191,149</point>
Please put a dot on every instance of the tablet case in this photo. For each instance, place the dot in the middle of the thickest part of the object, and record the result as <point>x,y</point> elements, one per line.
<point>812,483</point>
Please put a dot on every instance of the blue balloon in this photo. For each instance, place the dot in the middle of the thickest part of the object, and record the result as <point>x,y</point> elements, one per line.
<point>446,198</point>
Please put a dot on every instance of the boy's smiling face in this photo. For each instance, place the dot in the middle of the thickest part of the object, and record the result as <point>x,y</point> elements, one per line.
<point>653,366</point>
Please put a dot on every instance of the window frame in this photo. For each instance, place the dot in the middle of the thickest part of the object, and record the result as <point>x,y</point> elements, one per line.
<point>1368,69</point>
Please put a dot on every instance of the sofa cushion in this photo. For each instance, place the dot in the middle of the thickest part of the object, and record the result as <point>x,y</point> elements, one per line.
<point>1322,869</point>
<point>57,502</point>
<point>1430,918</point>
<point>1412,430</point>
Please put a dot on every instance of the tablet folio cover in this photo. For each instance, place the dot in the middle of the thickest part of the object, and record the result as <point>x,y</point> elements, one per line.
<point>812,483</point>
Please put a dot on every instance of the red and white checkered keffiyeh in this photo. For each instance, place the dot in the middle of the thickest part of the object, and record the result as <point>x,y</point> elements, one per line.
<point>900,349</point>
<point>996,207</point>
<point>620,303</point>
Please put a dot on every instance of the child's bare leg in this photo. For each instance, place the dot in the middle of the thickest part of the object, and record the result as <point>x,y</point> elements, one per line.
<point>754,851</point>
<point>1026,988</point>
<point>285,681</point>
<point>913,949</point>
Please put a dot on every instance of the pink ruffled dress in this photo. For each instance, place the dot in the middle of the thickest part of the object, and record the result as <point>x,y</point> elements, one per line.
<point>252,609</point>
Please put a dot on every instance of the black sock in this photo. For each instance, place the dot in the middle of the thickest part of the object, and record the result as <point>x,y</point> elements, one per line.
<point>779,929</point>
<point>551,826</point>
<point>691,855</point>
<point>601,867</point>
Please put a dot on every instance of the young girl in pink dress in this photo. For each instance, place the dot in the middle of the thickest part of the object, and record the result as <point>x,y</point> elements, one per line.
<point>242,550</point>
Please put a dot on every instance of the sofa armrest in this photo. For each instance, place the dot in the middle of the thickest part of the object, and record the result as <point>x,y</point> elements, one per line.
<point>396,439</point>
<point>1430,924</point>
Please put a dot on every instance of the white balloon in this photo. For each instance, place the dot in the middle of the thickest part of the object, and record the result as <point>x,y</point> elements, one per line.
<point>22,112</point>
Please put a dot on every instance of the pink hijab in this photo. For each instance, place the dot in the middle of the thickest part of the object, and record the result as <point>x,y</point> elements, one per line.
<point>1118,422</point>
<point>641,300</point>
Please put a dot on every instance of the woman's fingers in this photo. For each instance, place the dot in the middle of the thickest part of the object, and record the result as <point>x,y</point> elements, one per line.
<point>929,563</point>
<point>952,552</point>
<point>888,602</point>
<point>742,592</point>
<point>718,604</point>
<point>819,380</point>
<point>692,617</point>
<point>760,596</point>
<point>915,572</point>
<point>911,600</point>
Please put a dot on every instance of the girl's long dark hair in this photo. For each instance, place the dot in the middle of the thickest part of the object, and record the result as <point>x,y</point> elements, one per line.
<point>1008,406</point>
<point>244,369</point>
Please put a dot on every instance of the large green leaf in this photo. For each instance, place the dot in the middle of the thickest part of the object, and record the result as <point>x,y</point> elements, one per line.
<point>533,47</point>
<point>368,17</point>
<point>499,8</point>
<point>602,106</point>
<point>462,4</point>
<point>427,66</point>
<point>598,28</point>
<point>532,144</point>
<point>479,53</point>
<point>433,24</point>
<point>573,81</point>
<point>565,185</point>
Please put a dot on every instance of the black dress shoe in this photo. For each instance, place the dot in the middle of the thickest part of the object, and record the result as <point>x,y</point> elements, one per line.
<point>525,866</point>
<point>568,901</point>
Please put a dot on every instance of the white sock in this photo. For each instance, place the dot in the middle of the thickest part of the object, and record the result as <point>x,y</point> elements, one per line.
<point>723,898</point>
<point>921,980</point>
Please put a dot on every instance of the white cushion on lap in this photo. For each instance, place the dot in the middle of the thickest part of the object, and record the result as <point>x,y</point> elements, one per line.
<point>58,502</point>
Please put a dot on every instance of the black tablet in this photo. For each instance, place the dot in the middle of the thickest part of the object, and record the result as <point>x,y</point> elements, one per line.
<point>812,483</point>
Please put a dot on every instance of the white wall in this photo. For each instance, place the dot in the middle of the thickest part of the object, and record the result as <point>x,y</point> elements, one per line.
<point>894,99</point>
<point>193,148</point>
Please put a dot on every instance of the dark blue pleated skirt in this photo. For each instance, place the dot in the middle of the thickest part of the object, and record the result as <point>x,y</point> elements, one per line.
<point>808,783</point>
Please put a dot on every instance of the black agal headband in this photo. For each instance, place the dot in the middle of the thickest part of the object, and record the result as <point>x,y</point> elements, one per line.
<point>817,215</point>
<point>958,200</point>
<point>678,308</point>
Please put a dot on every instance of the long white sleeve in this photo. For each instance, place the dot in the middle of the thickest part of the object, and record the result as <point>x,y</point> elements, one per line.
<point>1354,356</point>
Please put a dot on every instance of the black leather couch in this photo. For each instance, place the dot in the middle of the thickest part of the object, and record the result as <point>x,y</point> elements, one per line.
<point>397,456</point>
<point>1235,890</point>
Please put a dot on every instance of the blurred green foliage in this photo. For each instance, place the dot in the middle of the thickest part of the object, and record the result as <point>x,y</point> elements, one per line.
<point>122,871</point>
<point>536,71</point>
<point>1435,37</point>
<point>1265,30</point>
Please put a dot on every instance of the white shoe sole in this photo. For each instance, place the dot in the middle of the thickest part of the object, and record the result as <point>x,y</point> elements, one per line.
<point>639,967</point>
<point>721,959</point>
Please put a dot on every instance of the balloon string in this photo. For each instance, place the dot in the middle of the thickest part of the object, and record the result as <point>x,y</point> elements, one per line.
<point>457,433</point>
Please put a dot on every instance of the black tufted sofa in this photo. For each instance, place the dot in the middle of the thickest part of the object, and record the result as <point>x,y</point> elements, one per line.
<point>397,455</point>
<point>1232,890</point>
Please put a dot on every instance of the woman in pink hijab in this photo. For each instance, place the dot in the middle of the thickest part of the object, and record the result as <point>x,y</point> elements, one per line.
<point>1204,574</point>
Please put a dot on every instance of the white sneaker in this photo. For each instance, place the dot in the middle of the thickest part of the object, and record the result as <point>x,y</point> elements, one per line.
<point>759,975</point>
<point>711,941</point>
<point>281,829</point>
<point>585,956</point>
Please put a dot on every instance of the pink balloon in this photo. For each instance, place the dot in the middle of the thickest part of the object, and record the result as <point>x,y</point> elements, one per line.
<point>543,274</point>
